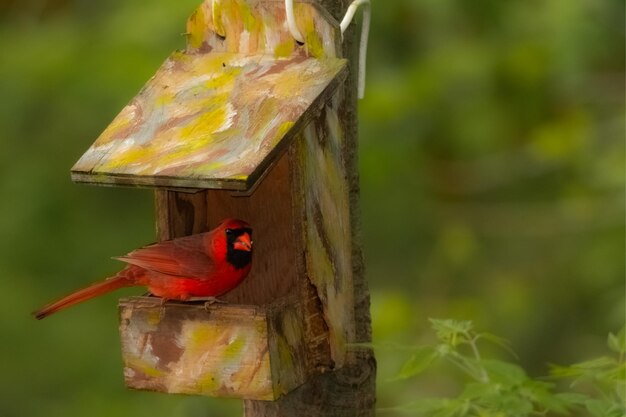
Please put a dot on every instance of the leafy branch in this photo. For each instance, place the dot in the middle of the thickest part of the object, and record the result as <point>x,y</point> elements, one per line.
<point>497,388</point>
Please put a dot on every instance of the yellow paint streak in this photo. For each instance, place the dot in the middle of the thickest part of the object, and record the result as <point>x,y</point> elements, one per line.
<point>312,40</point>
<point>242,177</point>
<point>235,348</point>
<point>284,355</point>
<point>119,124</point>
<point>209,383</point>
<point>195,28</point>
<point>201,128</point>
<point>254,373</point>
<point>181,57</point>
<point>217,18</point>
<point>292,329</point>
<point>132,156</point>
<point>144,367</point>
<point>212,166</point>
<point>154,317</point>
<point>223,78</point>
<point>202,337</point>
<point>250,23</point>
<point>164,100</point>
<point>289,83</point>
<point>282,130</point>
<point>212,64</point>
<point>284,49</point>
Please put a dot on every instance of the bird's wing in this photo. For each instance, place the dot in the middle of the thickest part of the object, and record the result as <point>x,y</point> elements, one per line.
<point>184,257</point>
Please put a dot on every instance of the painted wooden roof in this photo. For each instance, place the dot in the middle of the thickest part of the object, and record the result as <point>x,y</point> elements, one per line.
<point>210,120</point>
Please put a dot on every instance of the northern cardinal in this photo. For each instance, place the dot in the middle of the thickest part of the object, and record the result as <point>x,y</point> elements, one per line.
<point>201,265</point>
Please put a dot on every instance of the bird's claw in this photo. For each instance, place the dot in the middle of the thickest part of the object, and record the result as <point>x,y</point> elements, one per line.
<point>208,301</point>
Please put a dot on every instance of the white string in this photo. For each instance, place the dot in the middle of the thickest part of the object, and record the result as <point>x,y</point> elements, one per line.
<point>291,21</point>
<point>365,29</point>
<point>345,22</point>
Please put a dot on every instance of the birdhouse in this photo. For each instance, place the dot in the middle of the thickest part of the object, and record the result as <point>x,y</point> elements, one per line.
<point>246,122</point>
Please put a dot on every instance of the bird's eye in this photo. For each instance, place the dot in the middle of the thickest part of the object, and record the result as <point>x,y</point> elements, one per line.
<point>229,231</point>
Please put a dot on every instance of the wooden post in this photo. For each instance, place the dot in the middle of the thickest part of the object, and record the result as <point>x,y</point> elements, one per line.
<point>350,390</point>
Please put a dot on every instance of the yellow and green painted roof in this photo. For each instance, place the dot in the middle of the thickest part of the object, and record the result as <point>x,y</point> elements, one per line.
<point>214,120</point>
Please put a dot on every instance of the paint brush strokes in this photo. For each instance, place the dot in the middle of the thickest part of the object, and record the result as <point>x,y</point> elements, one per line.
<point>252,27</point>
<point>208,120</point>
<point>225,351</point>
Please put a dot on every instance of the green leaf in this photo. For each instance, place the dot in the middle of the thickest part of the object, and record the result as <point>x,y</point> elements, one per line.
<point>617,342</point>
<point>504,372</point>
<point>497,340</point>
<point>599,369</point>
<point>559,371</point>
<point>472,367</point>
<point>385,345</point>
<point>572,399</point>
<point>597,363</point>
<point>540,393</point>
<point>454,408</point>
<point>620,389</point>
<point>424,405</point>
<point>435,407</point>
<point>452,332</point>
<point>474,390</point>
<point>604,408</point>
<point>421,359</point>
<point>507,400</point>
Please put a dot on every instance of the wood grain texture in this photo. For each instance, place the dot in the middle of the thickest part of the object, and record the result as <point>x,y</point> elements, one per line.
<point>224,350</point>
<point>277,263</point>
<point>326,227</point>
<point>277,251</point>
<point>180,214</point>
<point>215,120</point>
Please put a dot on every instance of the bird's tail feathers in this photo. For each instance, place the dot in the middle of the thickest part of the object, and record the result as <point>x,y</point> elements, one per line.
<point>102,287</point>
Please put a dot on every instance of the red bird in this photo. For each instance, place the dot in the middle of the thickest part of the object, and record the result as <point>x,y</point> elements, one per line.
<point>202,265</point>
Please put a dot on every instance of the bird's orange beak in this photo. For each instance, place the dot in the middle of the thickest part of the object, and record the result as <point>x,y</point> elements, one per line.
<point>243,242</point>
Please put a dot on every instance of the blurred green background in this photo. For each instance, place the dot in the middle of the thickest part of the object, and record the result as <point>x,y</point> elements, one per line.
<point>492,171</point>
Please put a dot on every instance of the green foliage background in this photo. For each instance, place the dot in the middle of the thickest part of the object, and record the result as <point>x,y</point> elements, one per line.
<point>492,170</point>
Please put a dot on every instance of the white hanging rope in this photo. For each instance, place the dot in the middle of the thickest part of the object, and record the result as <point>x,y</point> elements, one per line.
<point>365,30</point>
<point>291,21</point>
<point>345,22</point>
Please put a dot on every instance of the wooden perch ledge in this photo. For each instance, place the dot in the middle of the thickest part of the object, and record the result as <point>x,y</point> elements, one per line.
<point>239,351</point>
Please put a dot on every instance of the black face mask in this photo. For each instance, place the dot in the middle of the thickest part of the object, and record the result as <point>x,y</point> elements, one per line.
<point>237,258</point>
